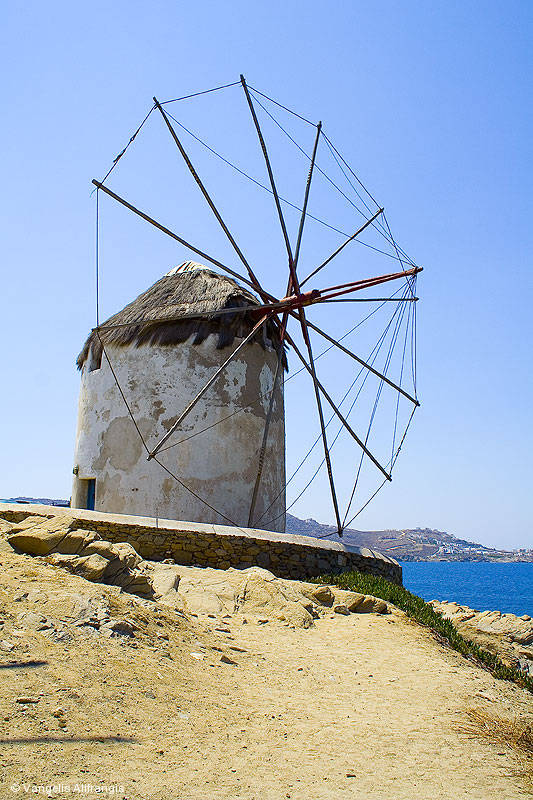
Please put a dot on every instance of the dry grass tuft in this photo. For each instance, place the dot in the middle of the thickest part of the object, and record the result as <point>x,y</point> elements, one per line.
<point>513,733</point>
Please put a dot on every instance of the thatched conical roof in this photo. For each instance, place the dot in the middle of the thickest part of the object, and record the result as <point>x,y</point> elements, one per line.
<point>190,289</point>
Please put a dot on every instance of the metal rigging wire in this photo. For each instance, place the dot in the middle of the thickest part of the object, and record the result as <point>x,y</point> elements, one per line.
<point>336,156</point>
<point>197,94</point>
<point>382,484</point>
<point>269,190</point>
<point>132,138</point>
<point>373,355</point>
<point>387,235</point>
<point>376,402</point>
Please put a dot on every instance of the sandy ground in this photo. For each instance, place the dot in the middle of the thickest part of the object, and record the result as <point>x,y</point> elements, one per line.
<point>364,707</point>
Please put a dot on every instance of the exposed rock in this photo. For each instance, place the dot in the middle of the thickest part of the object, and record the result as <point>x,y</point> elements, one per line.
<point>352,600</point>
<point>319,594</point>
<point>165,583</point>
<point>340,608</point>
<point>31,619</point>
<point>28,522</point>
<point>89,611</point>
<point>90,567</point>
<point>102,548</point>
<point>254,590</point>
<point>76,541</point>
<point>507,635</point>
<point>123,627</point>
<point>260,591</point>
<point>37,541</point>
<point>372,605</point>
<point>127,554</point>
<point>6,527</point>
<point>116,564</point>
<point>116,571</point>
<point>139,583</point>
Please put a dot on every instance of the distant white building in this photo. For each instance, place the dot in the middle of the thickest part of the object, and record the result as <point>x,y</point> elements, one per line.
<point>161,364</point>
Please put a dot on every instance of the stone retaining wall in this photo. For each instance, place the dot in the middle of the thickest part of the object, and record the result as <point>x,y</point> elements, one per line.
<point>220,546</point>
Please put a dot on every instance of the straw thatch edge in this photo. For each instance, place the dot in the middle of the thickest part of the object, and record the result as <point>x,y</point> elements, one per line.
<point>200,291</point>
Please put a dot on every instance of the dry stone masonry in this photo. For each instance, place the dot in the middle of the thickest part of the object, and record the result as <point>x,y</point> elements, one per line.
<point>219,546</point>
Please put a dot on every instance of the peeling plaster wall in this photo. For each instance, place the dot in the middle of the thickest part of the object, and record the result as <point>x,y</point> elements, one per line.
<point>220,464</point>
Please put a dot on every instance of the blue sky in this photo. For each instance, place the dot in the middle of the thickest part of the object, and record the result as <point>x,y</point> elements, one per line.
<point>430,102</point>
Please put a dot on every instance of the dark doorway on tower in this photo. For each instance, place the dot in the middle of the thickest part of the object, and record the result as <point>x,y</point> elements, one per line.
<point>91,493</point>
<point>86,493</point>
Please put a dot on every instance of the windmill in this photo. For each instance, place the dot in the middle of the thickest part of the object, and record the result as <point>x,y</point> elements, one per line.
<point>291,314</point>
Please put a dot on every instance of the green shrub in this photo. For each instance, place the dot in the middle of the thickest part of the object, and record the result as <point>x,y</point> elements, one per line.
<point>420,611</point>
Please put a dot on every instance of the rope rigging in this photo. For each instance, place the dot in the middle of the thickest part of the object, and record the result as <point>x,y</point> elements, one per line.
<point>267,189</point>
<point>373,355</point>
<point>384,231</point>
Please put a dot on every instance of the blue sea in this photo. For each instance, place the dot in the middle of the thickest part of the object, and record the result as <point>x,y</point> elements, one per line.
<point>484,586</point>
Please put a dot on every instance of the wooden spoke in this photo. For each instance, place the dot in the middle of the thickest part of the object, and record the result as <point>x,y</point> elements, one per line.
<point>271,178</point>
<point>316,387</point>
<point>367,283</point>
<point>292,276</point>
<point>207,385</point>
<point>343,245</point>
<point>361,361</point>
<point>336,410</point>
<point>261,460</point>
<point>306,198</point>
<point>371,300</point>
<point>207,196</point>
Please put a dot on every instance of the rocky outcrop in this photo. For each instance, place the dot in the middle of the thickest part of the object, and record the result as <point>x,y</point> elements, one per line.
<point>508,636</point>
<point>254,591</point>
<point>82,552</point>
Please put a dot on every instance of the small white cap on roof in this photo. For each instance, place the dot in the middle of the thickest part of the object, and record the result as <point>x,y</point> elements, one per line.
<point>187,266</point>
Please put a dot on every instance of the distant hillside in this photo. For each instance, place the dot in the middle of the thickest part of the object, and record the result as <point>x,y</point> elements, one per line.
<point>417,544</point>
<point>45,501</point>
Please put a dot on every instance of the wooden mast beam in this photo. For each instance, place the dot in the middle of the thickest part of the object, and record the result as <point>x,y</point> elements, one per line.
<point>271,178</point>
<point>176,237</point>
<point>283,328</point>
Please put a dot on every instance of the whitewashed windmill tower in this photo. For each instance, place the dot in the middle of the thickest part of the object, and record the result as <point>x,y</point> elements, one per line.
<point>137,379</point>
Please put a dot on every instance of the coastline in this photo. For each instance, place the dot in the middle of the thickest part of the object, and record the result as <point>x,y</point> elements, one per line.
<point>508,636</point>
<point>506,587</point>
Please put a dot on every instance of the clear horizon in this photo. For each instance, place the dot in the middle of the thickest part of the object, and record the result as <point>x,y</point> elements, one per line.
<point>430,103</point>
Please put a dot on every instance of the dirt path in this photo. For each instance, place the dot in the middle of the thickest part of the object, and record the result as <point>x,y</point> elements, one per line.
<point>363,707</point>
